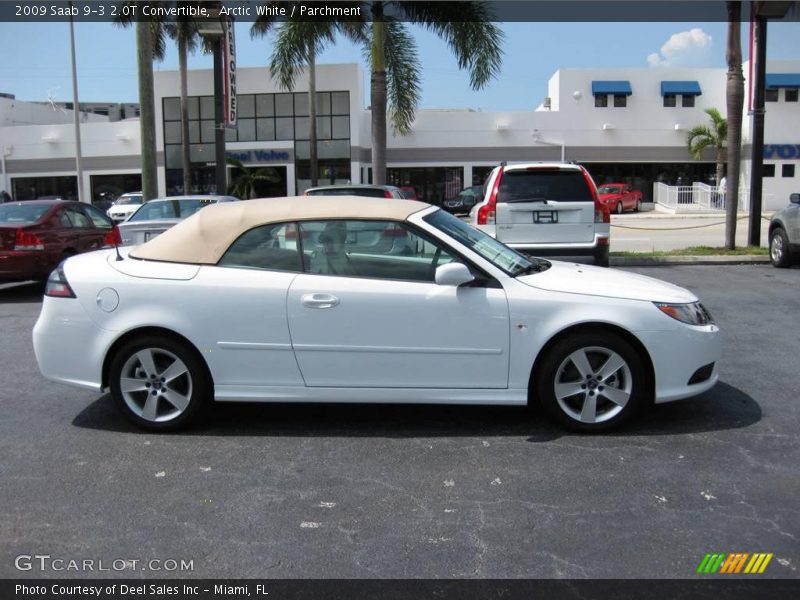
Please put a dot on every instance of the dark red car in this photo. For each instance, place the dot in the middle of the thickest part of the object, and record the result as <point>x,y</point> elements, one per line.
<point>36,235</point>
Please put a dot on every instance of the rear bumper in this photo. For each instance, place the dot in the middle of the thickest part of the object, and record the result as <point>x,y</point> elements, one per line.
<point>16,266</point>
<point>599,244</point>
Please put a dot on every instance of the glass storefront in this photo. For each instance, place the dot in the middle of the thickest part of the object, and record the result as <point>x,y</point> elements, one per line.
<point>107,188</point>
<point>433,185</point>
<point>31,188</point>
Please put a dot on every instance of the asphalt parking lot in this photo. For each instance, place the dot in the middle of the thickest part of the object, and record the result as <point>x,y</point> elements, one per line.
<point>348,491</point>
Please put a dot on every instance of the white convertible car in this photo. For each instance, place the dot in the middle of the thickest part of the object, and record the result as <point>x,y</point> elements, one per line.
<point>344,299</point>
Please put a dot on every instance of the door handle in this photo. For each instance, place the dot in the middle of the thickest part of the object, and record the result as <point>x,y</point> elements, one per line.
<point>319,300</point>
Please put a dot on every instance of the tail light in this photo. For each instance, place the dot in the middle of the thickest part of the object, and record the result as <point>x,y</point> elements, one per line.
<point>57,285</point>
<point>602,213</point>
<point>25,240</point>
<point>387,194</point>
<point>487,212</point>
<point>113,237</point>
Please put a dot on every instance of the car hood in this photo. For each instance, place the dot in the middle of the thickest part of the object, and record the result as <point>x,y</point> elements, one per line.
<point>598,281</point>
<point>124,208</point>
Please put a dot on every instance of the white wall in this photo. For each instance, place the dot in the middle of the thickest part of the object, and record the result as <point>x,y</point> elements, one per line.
<point>18,112</point>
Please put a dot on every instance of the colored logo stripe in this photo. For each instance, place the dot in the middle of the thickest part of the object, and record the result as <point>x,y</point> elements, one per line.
<point>734,563</point>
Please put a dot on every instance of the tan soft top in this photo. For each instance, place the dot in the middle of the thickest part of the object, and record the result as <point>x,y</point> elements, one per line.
<point>205,236</point>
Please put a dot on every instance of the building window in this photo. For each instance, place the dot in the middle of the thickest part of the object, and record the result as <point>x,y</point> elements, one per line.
<point>620,101</point>
<point>601,100</point>
<point>787,171</point>
<point>791,95</point>
<point>669,100</point>
<point>768,171</point>
<point>771,95</point>
<point>687,101</point>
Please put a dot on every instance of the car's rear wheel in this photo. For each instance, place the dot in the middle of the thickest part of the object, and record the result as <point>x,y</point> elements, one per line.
<point>638,206</point>
<point>159,383</point>
<point>601,256</point>
<point>779,248</point>
<point>619,208</point>
<point>591,381</point>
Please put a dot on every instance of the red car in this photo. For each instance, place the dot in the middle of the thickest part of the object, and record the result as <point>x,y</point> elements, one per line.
<point>36,235</point>
<point>619,197</point>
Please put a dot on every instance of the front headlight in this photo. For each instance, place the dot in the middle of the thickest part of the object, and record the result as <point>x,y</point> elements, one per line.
<point>693,313</point>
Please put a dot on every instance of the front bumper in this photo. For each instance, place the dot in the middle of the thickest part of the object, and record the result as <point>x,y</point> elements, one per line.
<point>677,354</point>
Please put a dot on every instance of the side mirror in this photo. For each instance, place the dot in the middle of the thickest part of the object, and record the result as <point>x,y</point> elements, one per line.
<point>453,274</point>
<point>794,198</point>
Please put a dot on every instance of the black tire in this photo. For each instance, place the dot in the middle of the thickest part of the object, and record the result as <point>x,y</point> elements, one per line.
<point>638,206</point>
<point>194,386</point>
<point>779,250</point>
<point>619,209</point>
<point>629,380</point>
<point>601,256</point>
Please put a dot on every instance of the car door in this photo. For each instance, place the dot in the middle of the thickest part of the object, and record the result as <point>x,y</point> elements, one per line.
<point>376,318</point>
<point>544,204</point>
<point>102,225</point>
<point>83,229</point>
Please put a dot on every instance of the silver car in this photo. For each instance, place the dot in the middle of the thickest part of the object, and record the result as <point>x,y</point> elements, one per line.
<point>156,216</point>
<point>784,234</point>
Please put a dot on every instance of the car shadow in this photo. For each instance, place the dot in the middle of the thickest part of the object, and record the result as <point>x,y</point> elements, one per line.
<point>722,408</point>
<point>26,292</point>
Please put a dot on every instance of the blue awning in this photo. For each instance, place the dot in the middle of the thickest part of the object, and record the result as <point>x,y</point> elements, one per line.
<point>782,80</point>
<point>685,88</point>
<point>611,87</point>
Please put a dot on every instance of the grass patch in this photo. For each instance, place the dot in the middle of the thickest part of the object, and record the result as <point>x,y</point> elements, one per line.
<point>701,251</point>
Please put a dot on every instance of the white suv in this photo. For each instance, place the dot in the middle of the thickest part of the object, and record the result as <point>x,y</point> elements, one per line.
<point>545,209</point>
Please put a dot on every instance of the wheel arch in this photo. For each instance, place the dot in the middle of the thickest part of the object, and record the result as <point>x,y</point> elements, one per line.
<point>773,225</point>
<point>601,327</point>
<point>151,330</point>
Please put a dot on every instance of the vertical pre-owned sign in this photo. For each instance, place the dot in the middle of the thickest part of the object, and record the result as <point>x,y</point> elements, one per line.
<point>229,74</point>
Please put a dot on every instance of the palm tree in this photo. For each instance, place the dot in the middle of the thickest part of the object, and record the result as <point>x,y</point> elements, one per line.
<point>735,100</point>
<point>701,137</point>
<point>184,31</point>
<point>395,69</point>
<point>245,185</point>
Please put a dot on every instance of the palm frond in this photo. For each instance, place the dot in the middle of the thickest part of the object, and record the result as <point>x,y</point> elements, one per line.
<point>468,29</point>
<point>402,75</point>
<point>293,42</point>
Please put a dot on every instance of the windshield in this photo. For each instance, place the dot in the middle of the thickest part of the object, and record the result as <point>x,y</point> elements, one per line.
<point>155,210</point>
<point>128,200</point>
<point>503,257</point>
<point>608,189</point>
<point>22,213</point>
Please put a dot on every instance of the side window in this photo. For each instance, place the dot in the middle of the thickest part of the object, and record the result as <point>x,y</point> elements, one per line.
<point>77,217</point>
<point>98,218</point>
<point>270,247</point>
<point>63,220</point>
<point>370,249</point>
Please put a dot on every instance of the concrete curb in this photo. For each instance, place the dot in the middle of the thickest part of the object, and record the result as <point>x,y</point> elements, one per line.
<point>663,261</point>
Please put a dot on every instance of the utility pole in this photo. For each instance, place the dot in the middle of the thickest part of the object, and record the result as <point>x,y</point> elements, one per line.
<point>76,114</point>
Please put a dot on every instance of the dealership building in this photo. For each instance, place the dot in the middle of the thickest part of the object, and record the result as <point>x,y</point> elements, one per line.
<point>623,124</point>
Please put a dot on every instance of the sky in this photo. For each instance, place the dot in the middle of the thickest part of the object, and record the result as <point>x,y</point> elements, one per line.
<point>36,64</point>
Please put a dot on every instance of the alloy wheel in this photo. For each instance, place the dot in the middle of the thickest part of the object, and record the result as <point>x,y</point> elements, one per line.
<point>619,208</point>
<point>593,384</point>
<point>156,385</point>
<point>776,249</point>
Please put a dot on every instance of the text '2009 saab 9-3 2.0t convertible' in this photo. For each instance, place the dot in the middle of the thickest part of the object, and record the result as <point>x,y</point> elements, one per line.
<point>345,299</point>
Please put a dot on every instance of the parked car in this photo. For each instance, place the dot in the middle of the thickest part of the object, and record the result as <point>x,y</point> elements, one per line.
<point>370,191</point>
<point>784,234</point>
<point>465,200</point>
<point>233,304</point>
<point>36,235</point>
<point>619,197</point>
<point>156,216</point>
<point>545,209</point>
<point>409,192</point>
<point>125,206</point>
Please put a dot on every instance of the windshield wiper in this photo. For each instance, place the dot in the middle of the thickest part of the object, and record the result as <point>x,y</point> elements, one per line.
<point>524,199</point>
<point>534,267</point>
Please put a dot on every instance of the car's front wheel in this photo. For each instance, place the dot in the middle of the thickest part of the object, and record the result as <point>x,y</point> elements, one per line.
<point>159,383</point>
<point>779,248</point>
<point>619,208</point>
<point>591,381</point>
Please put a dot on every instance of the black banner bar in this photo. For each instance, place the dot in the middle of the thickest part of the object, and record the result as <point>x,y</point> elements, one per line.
<point>502,11</point>
<point>730,588</point>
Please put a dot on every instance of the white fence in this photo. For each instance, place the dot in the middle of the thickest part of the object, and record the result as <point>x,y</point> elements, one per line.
<point>698,197</point>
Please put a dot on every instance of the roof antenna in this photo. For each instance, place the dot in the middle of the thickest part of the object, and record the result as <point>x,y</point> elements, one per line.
<point>116,247</point>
